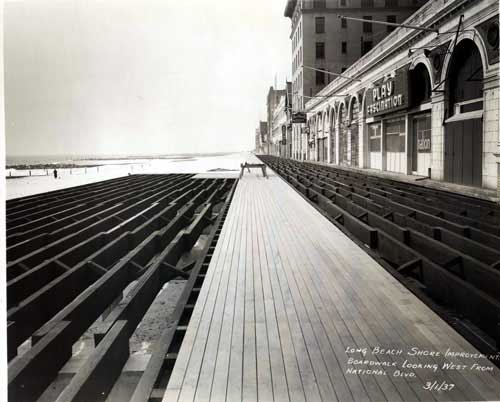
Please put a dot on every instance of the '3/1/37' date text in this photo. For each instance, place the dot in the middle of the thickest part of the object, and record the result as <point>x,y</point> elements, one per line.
<point>437,386</point>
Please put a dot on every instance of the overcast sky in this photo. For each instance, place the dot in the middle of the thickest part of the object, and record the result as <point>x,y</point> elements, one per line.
<point>138,77</point>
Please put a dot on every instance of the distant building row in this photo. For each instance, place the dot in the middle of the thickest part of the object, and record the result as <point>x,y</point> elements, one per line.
<point>420,102</point>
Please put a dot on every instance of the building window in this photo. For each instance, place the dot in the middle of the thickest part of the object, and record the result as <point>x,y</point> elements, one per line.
<point>344,47</point>
<point>320,25</point>
<point>367,26</point>
<point>367,46</point>
<point>391,4</point>
<point>392,19</point>
<point>395,136</point>
<point>320,50</point>
<point>343,3</point>
<point>320,78</point>
<point>319,3</point>
<point>343,23</point>
<point>366,3</point>
<point>375,136</point>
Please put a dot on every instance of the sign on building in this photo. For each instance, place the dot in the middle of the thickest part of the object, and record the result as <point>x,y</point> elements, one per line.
<point>424,141</point>
<point>388,94</point>
<point>299,118</point>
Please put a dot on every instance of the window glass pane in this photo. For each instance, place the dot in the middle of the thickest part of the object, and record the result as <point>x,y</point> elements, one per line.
<point>367,46</point>
<point>320,24</point>
<point>320,78</point>
<point>395,135</point>
<point>374,135</point>
<point>392,19</point>
<point>320,50</point>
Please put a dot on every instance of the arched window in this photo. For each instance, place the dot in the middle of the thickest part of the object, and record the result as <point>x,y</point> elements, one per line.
<point>465,79</point>
<point>420,82</point>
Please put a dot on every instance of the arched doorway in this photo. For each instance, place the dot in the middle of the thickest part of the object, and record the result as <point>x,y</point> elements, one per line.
<point>354,128</point>
<point>463,143</point>
<point>332,136</point>
<point>321,137</point>
<point>342,136</point>
<point>421,130</point>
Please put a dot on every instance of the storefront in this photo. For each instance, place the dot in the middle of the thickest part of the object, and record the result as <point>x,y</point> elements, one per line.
<point>375,145</point>
<point>427,106</point>
<point>343,136</point>
<point>354,121</point>
<point>386,106</point>
<point>463,142</point>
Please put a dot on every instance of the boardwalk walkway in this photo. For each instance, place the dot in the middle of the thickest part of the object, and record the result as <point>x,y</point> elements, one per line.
<point>287,294</point>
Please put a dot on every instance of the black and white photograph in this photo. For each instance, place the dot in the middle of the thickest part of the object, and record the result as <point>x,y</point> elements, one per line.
<point>250,201</point>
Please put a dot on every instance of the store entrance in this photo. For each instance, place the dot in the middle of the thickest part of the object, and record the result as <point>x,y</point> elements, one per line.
<point>463,143</point>
<point>322,149</point>
<point>421,144</point>
<point>463,149</point>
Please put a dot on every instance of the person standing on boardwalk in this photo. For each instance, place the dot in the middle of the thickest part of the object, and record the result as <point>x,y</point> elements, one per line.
<point>55,173</point>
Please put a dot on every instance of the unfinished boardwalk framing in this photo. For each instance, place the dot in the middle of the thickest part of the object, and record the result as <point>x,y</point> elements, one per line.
<point>285,295</point>
<point>71,255</point>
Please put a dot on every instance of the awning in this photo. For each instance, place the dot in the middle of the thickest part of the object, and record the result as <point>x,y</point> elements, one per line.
<point>476,114</point>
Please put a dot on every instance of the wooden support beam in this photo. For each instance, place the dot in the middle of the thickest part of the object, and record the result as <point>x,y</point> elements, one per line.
<point>411,266</point>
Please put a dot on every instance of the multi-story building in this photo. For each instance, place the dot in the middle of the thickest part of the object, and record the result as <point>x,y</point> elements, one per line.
<point>258,143</point>
<point>420,103</point>
<point>279,128</point>
<point>273,99</point>
<point>321,41</point>
<point>262,130</point>
<point>279,123</point>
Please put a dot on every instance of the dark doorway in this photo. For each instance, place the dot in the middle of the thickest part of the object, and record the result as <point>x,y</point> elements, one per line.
<point>332,138</point>
<point>323,149</point>
<point>354,133</point>
<point>463,151</point>
<point>342,137</point>
<point>421,144</point>
<point>464,127</point>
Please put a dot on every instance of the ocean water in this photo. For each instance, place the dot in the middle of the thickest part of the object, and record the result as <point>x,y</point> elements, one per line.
<point>76,158</point>
<point>38,159</point>
<point>21,184</point>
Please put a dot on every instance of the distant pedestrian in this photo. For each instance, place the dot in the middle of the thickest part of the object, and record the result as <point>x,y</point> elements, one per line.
<point>55,173</point>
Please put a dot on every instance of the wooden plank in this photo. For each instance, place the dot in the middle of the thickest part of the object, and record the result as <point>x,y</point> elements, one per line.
<point>236,360</point>
<point>249,380</point>
<point>288,325</point>
<point>230,323</point>
<point>185,376</point>
<point>264,376</point>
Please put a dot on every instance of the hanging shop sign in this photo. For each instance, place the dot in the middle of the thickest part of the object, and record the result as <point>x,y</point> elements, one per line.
<point>389,94</point>
<point>283,134</point>
<point>299,118</point>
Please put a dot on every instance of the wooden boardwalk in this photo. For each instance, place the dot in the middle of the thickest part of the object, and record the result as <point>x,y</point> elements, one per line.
<point>287,294</point>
